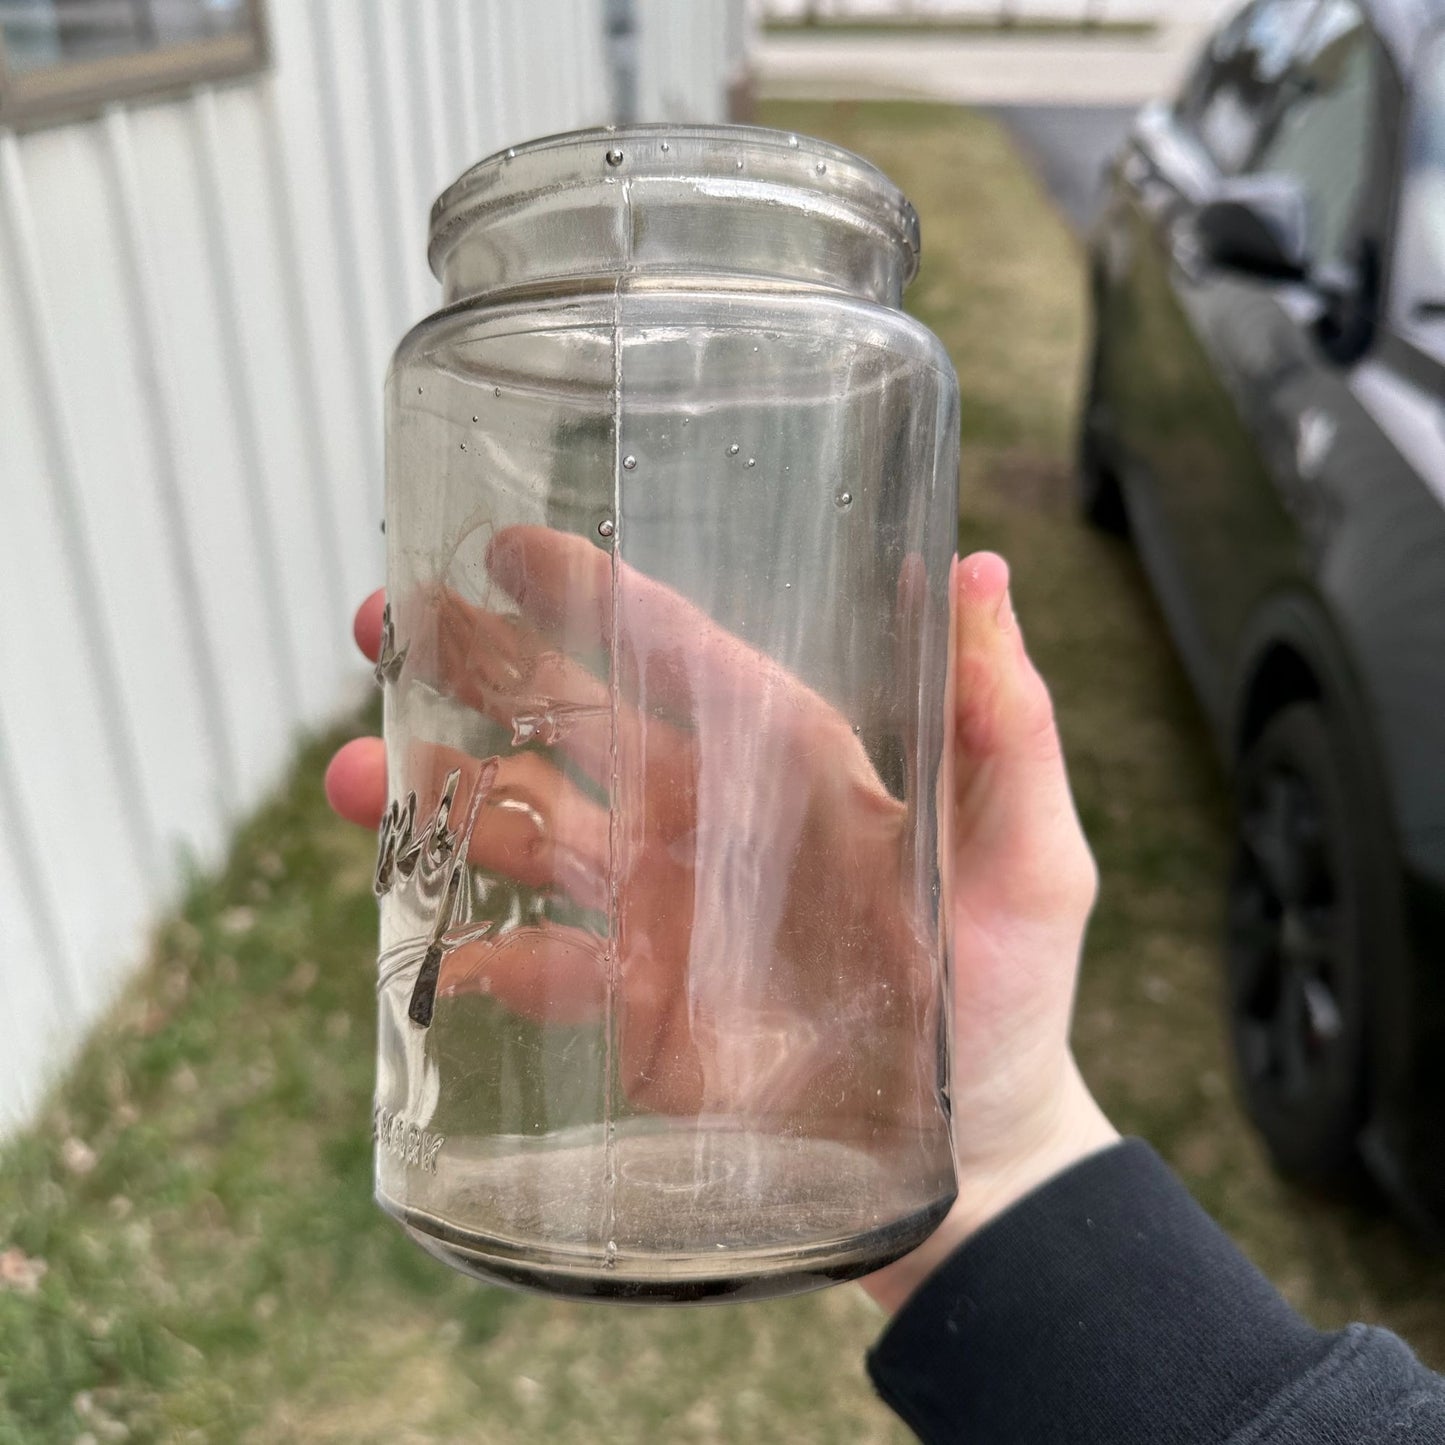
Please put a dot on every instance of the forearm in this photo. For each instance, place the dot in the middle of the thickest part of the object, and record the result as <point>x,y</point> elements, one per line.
<point>1107,1307</point>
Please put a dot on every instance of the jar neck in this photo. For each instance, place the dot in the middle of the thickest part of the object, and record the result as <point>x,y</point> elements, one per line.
<point>728,202</point>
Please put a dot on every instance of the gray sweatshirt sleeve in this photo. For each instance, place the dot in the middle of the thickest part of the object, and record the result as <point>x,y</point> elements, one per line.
<point>1107,1307</point>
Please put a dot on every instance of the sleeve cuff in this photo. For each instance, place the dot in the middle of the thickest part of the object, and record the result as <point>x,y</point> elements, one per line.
<point>1106,1306</point>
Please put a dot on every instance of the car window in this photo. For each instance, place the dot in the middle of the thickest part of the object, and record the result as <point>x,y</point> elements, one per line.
<point>1419,269</point>
<point>1235,89</point>
<point>1323,133</point>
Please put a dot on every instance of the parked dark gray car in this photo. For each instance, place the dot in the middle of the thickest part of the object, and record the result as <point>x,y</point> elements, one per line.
<point>1265,414</point>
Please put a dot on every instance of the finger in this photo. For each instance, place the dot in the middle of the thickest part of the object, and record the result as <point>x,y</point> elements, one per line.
<point>507,670</point>
<point>534,826</point>
<point>366,627</point>
<point>356,781</point>
<point>550,975</point>
<point>559,581</point>
<point>676,657</point>
<point>540,829</point>
<point>735,706</point>
<point>513,674</point>
<point>1013,821</point>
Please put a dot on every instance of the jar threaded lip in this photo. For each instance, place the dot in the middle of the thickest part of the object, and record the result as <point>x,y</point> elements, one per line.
<point>752,158</point>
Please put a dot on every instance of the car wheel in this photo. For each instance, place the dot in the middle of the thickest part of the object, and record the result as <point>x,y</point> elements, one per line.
<point>1100,498</point>
<point>1300,898</point>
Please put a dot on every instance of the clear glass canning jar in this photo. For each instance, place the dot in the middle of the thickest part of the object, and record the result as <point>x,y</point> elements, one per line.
<point>671,500</point>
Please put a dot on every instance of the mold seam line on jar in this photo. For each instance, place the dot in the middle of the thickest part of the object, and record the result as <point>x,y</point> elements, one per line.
<point>609,1125</point>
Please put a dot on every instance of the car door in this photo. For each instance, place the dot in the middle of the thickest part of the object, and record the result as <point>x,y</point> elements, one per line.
<point>1259,509</point>
<point>1179,433</point>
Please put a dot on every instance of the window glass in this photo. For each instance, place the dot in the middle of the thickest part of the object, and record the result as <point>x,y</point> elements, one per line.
<point>1237,87</point>
<point>65,58</point>
<point>1323,134</point>
<point>44,33</point>
<point>1419,270</point>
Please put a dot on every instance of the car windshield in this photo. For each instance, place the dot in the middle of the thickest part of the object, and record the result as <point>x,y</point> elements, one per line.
<point>1420,257</point>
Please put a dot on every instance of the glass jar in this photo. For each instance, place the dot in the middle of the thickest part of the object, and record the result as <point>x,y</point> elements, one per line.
<point>671,502</point>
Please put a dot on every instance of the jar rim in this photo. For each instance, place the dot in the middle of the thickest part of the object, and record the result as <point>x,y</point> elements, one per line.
<point>661,151</point>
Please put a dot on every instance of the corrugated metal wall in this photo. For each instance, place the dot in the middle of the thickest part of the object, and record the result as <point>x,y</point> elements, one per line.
<point>197,302</point>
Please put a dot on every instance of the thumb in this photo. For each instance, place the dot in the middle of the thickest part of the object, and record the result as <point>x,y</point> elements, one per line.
<point>1021,883</point>
<point>1017,849</point>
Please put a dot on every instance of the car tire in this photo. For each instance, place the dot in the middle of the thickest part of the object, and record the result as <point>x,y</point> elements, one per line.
<point>1100,497</point>
<point>1309,876</point>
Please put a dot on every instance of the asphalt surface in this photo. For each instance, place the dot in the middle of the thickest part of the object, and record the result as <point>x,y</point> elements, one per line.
<point>1069,146</point>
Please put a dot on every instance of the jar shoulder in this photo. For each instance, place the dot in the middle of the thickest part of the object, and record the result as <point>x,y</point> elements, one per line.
<point>833,319</point>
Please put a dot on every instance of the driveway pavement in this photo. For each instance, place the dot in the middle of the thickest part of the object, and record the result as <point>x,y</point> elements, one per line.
<point>998,70</point>
<point>1067,99</point>
<point>1103,68</point>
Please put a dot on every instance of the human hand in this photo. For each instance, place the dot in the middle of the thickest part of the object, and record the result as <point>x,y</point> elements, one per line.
<point>1021,884</point>
<point>774,930</point>
<point>1019,878</point>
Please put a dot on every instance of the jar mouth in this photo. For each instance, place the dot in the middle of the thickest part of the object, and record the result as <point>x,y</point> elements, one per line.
<point>775,172</point>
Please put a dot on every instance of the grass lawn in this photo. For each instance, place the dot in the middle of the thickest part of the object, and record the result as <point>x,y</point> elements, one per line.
<point>194,1251</point>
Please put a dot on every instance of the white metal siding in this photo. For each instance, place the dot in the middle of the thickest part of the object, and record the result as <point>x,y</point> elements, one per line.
<point>197,302</point>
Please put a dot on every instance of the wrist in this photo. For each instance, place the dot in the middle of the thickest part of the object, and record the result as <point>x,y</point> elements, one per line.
<point>1069,1133</point>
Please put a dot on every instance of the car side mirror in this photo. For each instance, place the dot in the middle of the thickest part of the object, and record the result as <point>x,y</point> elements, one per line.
<point>1257,226</point>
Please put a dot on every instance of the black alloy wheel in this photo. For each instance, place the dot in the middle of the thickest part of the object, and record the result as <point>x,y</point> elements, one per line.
<point>1299,901</point>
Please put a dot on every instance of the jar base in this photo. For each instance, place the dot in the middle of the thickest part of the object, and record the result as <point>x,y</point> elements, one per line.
<point>641,1278</point>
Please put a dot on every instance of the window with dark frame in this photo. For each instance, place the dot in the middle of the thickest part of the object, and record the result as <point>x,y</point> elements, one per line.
<point>61,59</point>
<point>1418,272</point>
<point>1322,136</point>
<point>1236,89</point>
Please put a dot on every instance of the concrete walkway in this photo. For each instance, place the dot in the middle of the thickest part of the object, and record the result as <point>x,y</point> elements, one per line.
<point>989,69</point>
